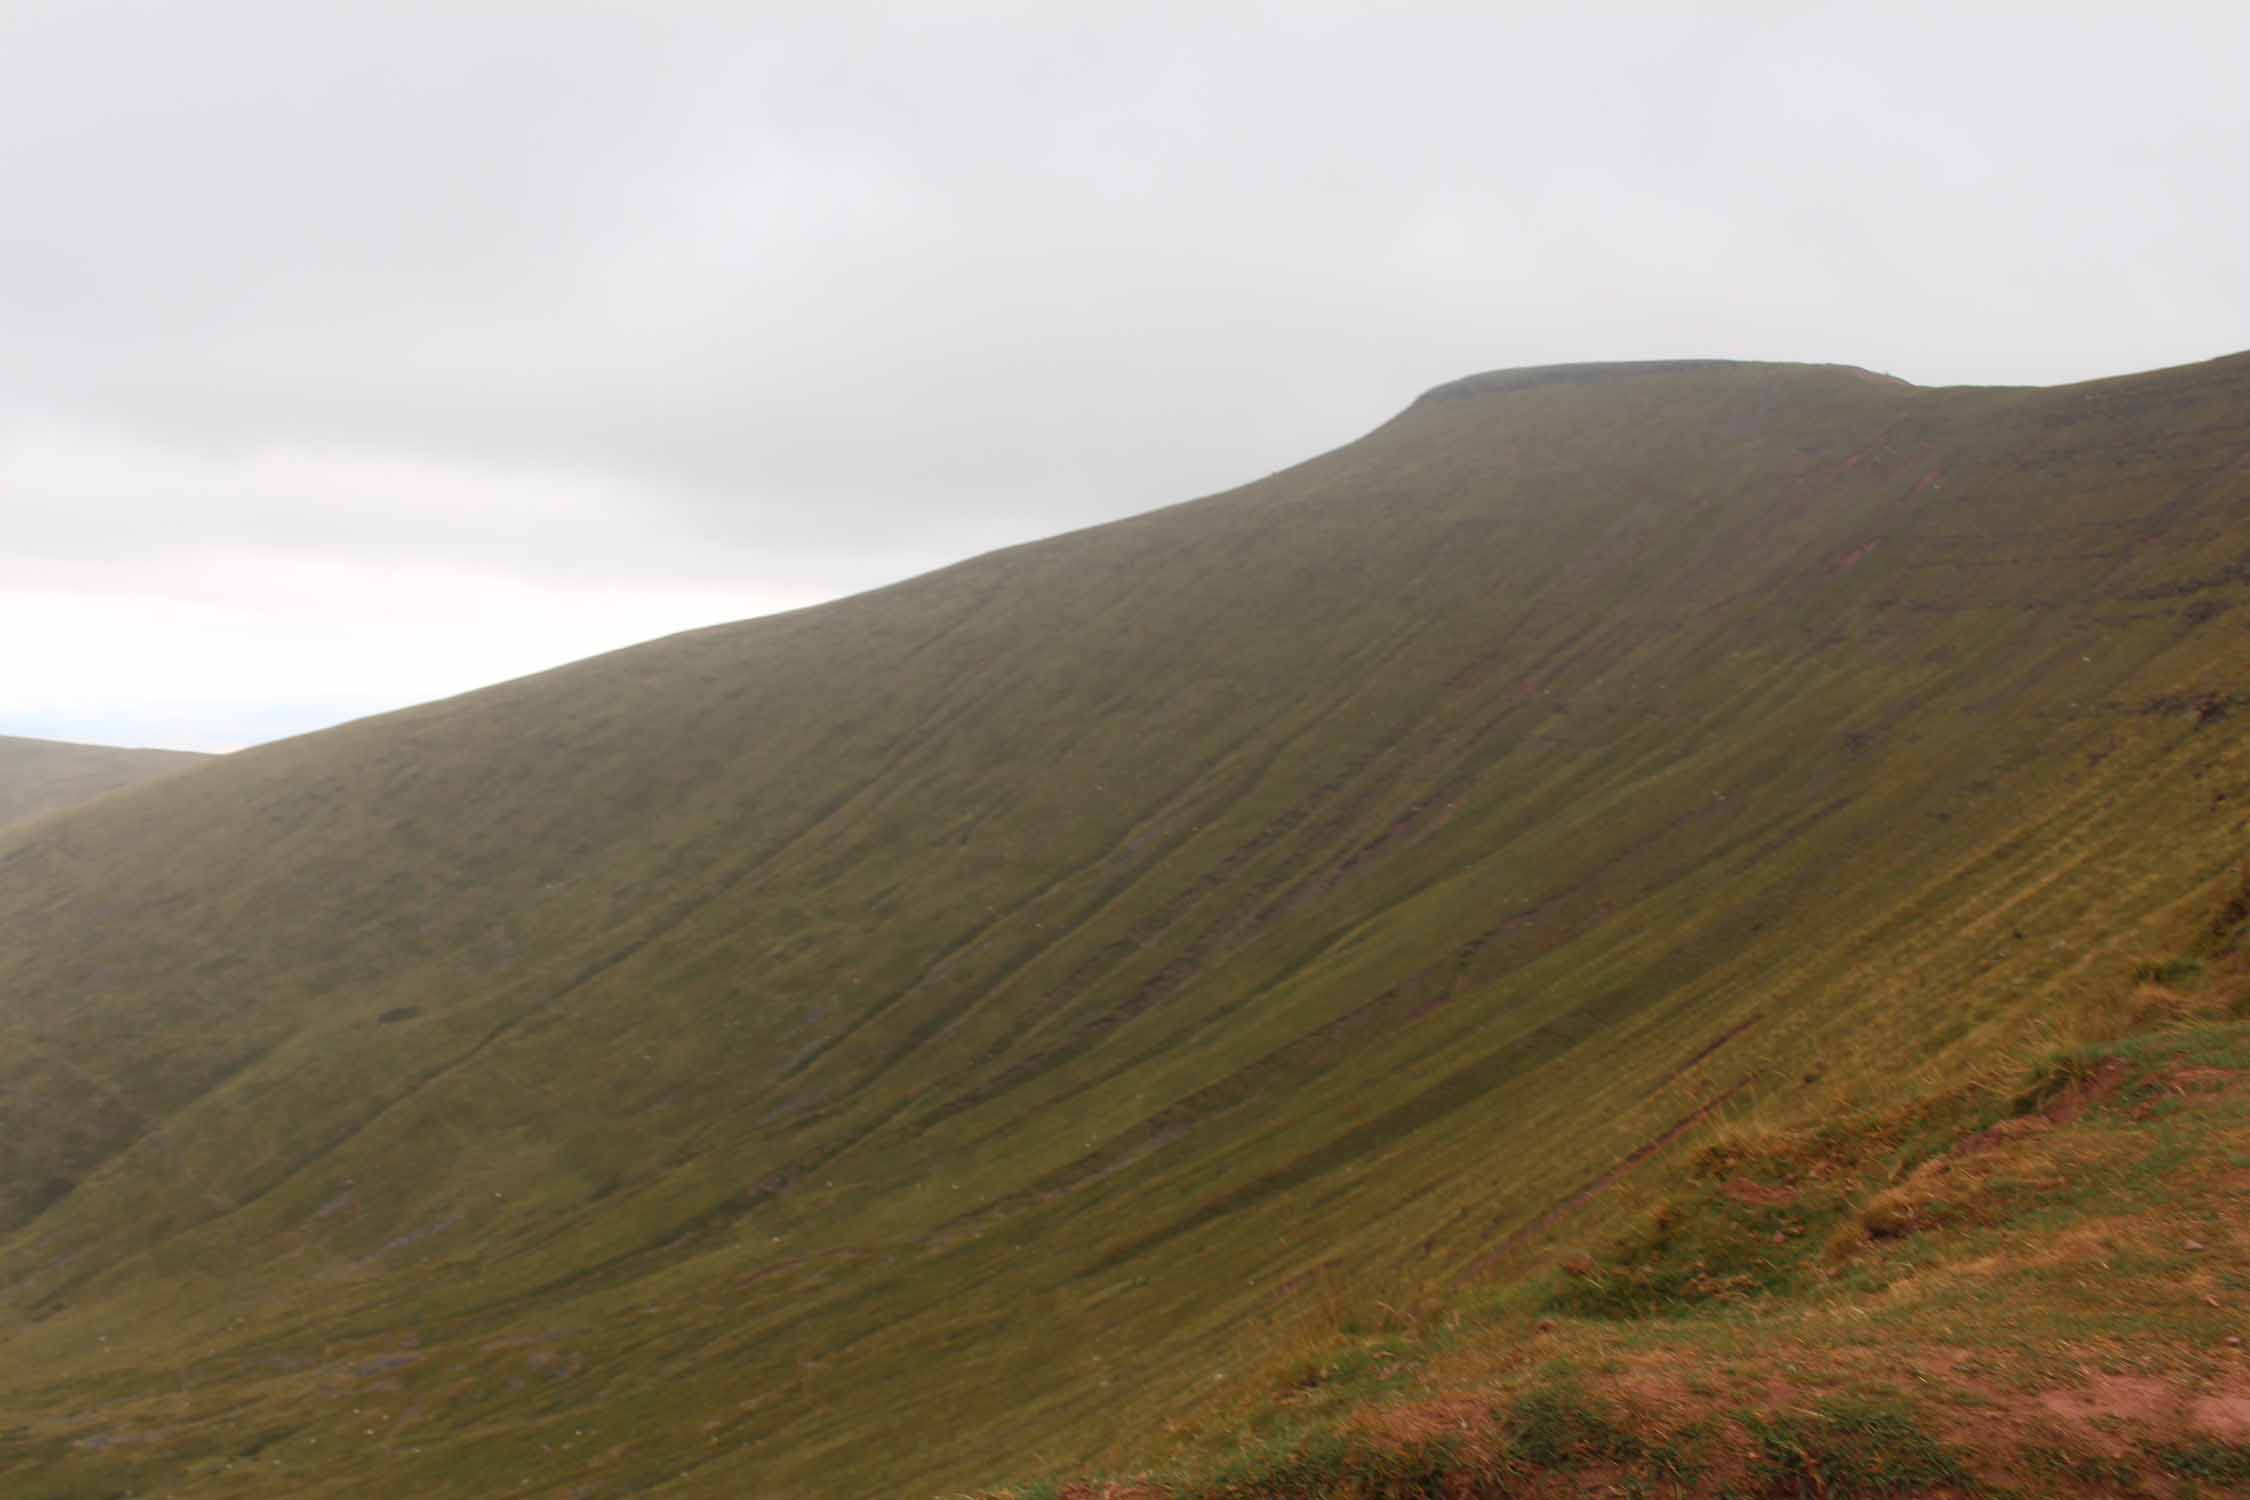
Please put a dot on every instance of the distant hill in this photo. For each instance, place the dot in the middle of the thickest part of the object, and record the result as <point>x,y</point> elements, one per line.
<point>38,776</point>
<point>875,1049</point>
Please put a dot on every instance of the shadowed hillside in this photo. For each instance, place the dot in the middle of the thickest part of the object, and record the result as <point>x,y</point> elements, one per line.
<point>39,776</point>
<point>885,1047</point>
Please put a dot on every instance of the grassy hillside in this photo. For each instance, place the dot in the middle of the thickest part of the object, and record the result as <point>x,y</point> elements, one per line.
<point>900,1044</point>
<point>40,776</point>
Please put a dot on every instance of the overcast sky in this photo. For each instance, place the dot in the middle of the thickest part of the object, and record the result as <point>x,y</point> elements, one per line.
<point>357,354</point>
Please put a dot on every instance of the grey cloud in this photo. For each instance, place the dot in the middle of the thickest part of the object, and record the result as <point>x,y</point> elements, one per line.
<point>738,286</point>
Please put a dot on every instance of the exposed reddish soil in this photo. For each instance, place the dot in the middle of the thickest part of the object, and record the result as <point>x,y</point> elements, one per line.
<point>1757,1194</point>
<point>2090,1093</point>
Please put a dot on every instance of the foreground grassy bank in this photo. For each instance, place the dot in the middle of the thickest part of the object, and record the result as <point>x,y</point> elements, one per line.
<point>2034,1284</point>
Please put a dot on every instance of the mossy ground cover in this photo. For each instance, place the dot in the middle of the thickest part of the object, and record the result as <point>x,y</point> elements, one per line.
<point>47,776</point>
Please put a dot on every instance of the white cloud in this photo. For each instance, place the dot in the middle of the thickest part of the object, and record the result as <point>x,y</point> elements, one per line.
<point>235,647</point>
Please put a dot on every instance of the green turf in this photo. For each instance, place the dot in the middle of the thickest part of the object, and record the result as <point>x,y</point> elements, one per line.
<point>899,1044</point>
<point>46,776</point>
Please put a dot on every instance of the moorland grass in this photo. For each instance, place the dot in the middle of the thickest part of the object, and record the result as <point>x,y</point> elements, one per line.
<point>966,1028</point>
<point>48,776</point>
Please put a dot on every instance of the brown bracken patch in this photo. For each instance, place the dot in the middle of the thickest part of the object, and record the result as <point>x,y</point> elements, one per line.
<point>2090,1093</point>
<point>2222,1416</point>
<point>2108,1408</point>
<point>2202,1080</point>
<point>1423,1422</point>
<point>2108,1400</point>
<point>1756,1194</point>
<point>1995,1136</point>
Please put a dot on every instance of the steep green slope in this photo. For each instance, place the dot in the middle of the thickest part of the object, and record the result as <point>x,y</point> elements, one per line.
<point>41,776</point>
<point>849,1052</point>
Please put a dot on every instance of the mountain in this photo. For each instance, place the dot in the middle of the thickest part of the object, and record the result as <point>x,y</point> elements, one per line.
<point>39,776</point>
<point>884,1047</point>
